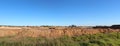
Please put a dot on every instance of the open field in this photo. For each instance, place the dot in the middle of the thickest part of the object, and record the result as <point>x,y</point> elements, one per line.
<point>100,39</point>
<point>58,36</point>
<point>50,31</point>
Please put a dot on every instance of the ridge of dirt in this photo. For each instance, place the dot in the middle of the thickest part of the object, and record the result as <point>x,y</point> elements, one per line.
<point>50,31</point>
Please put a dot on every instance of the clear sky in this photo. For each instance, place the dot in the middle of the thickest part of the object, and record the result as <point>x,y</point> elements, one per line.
<point>59,12</point>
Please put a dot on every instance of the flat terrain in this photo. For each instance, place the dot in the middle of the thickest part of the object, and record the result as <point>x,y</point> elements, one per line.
<point>50,32</point>
<point>58,36</point>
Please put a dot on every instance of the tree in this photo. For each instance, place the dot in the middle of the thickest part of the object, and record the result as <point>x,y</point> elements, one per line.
<point>72,26</point>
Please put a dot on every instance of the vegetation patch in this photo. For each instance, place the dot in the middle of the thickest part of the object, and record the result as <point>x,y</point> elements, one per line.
<point>101,39</point>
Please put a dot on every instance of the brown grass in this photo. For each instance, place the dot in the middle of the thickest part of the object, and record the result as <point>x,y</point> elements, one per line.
<point>50,32</point>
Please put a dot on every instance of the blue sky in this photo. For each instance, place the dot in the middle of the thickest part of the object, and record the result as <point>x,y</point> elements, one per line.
<point>59,12</point>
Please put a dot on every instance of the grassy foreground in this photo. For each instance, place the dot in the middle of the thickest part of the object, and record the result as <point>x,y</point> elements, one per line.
<point>101,39</point>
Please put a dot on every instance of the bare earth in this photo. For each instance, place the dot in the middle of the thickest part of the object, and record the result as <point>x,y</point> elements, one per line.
<point>50,32</point>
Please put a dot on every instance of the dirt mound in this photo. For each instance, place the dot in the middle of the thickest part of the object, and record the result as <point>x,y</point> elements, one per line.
<point>51,31</point>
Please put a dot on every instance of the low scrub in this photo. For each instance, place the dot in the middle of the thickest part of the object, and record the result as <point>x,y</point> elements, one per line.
<point>101,39</point>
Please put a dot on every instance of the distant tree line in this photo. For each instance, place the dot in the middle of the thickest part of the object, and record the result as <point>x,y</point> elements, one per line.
<point>112,27</point>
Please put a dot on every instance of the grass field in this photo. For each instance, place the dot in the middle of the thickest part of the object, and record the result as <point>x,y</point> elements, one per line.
<point>101,39</point>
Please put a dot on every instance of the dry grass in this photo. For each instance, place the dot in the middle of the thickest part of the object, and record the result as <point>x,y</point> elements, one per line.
<point>50,32</point>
